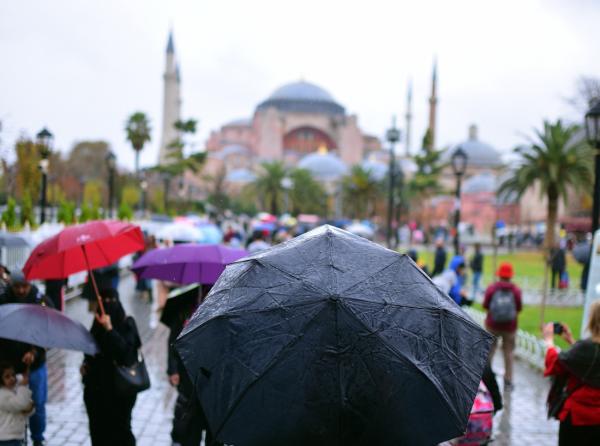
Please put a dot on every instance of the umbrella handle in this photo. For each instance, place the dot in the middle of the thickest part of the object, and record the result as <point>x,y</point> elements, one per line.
<point>94,285</point>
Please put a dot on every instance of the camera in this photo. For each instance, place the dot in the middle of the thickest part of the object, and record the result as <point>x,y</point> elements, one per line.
<point>558,328</point>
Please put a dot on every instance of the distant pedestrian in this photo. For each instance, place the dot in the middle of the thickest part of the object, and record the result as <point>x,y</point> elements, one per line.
<point>4,278</point>
<point>451,281</point>
<point>503,304</point>
<point>476,265</point>
<point>574,398</point>
<point>439,261</point>
<point>26,356</point>
<point>55,289</point>
<point>258,244</point>
<point>16,406</point>
<point>558,263</point>
<point>109,411</point>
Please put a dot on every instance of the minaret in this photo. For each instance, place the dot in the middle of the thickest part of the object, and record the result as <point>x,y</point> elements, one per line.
<point>171,103</point>
<point>408,117</point>
<point>433,106</point>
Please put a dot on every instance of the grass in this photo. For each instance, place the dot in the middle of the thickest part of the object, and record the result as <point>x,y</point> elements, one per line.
<point>528,265</point>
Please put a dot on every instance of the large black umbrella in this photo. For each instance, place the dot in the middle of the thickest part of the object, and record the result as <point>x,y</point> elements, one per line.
<point>44,327</point>
<point>330,339</point>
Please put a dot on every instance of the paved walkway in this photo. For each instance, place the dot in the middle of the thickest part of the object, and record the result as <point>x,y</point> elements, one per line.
<point>523,422</point>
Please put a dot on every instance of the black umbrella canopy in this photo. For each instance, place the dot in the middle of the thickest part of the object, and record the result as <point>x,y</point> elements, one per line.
<point>330,339</point>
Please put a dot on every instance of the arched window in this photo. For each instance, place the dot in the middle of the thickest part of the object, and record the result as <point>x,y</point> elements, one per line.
<point>305,140</point>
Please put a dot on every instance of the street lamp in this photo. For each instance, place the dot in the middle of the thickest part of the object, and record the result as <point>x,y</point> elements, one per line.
<point>44,140</point>
<point>286,184</point>
<point>111,161</point>
<point>592,128</point>
<point>392,136</point>
<point>459,166</point>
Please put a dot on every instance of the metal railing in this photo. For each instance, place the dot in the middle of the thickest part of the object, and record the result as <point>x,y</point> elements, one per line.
<point>529,347</point>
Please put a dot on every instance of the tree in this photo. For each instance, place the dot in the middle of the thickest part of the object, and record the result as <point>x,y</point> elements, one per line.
<point>359,191</point>
<point>27,169</point>
<point>130,195</point>
<point>125,211</point>
<point>217,195</point>
<point>307,195</point>
<point>555,161</point>
<point>588,93</point>
<point>138,129</point>
<point>268,185</point>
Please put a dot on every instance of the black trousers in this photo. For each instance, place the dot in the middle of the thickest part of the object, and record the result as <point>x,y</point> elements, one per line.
<point>109,417</point>
<point>569,435</point>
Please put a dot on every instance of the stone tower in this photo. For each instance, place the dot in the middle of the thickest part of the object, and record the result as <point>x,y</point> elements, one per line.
<point>433,106</point>
<point>171,103</point>
<point>408,118</point>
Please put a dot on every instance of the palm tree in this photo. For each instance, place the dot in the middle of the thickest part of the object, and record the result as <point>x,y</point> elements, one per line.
<point>138,131</point>
<point>360,190</point>
<point>557,160</point>
<point>268,184</point>
<point>307,195</point>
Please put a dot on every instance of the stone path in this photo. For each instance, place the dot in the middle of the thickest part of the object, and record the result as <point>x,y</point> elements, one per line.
<point>522,422</point>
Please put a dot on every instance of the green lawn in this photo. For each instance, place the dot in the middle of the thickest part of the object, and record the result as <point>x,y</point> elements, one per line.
<point>527,265</point>
<point>529,319</point>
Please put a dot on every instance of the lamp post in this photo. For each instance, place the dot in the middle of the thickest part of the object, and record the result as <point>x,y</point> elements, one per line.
<point>286,185</point>
<point>111,161</point>
<point>459,166</point>
<point>144,186</point>
<point>592,128</point>
<point>392,136</point>
<point>44,139</point>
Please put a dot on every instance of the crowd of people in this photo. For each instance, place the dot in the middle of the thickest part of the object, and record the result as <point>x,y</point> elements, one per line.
<point>574,398</point>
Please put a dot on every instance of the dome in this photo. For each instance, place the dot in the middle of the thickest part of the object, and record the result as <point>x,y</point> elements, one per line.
<point>303,97</point>
<point>483,182</point>
<point>377,170</point>
<point>240,176</point>
<point>232,149</point>
<point>324,166</point>
<point>479,153</point>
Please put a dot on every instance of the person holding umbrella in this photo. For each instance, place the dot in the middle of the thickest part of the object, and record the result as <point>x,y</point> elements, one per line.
<point>20,354</point>
<point>109,411</point>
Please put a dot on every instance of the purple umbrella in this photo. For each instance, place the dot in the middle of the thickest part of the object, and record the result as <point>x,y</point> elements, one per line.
<point>187,263</point>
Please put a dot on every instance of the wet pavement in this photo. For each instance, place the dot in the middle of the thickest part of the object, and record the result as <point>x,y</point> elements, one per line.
<point>522,422</point>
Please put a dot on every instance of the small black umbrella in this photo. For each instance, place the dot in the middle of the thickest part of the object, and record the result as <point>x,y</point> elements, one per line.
<point>180,301</point>
<point>330,339</point>
<point>582,252</point>
<point>44,327</point>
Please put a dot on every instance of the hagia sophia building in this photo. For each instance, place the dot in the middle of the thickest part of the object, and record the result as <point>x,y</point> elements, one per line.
<point>304,126</point>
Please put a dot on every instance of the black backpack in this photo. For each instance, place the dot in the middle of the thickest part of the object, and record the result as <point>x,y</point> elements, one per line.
<point>503,307</point>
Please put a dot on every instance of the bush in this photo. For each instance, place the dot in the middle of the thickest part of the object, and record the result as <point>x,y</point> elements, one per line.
<point>66,212</point>
<point>9,216</point>
<point>27,210</point>
<point>125,212</point>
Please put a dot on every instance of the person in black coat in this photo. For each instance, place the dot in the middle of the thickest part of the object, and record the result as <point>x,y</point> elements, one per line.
<point>558,263</point>
<point>109,411</point>
<point>439,261</point>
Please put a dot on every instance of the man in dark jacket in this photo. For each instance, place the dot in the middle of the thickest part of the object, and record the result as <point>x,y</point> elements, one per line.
<point>21,291</point>
<point>558,263</point>
<point>439,262</point>
<point>477,268</point>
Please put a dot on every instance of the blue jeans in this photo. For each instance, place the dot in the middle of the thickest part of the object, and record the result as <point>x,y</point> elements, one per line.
<point>38,383</point>
<point>476,284</point>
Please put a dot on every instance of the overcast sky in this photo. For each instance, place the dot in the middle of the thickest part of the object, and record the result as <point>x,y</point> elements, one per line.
<point>81,67</point>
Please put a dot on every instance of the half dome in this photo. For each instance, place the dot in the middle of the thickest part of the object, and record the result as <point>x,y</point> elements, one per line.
<point>324,166</point>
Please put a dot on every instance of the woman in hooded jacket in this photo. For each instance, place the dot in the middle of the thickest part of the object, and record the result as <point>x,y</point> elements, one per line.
<point>575,396</point>
<point>109,411</point>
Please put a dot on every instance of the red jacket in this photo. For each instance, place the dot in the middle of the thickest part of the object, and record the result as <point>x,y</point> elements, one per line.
<point>501,326</point>
<point>584,403</point>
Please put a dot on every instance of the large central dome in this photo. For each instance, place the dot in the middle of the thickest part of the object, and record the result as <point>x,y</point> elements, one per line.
<point>302,97</point>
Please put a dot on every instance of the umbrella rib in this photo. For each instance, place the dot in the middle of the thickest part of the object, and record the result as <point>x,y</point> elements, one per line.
<point>269,366</point>
<point>401,356</point>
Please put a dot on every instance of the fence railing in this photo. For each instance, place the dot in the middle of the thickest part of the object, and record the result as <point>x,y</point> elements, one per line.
<point>529,347</point>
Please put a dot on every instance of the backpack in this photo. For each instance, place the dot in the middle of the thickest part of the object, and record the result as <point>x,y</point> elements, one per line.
<point>502,306</point>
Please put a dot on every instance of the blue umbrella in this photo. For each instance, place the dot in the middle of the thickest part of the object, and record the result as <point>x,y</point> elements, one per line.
<point>44,327</point>
<point>211,234</point>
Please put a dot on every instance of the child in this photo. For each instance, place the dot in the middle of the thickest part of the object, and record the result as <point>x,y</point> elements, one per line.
<point>16,406</point>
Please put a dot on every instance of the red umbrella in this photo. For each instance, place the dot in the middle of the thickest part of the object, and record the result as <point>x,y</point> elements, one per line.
<point>83,247</point>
